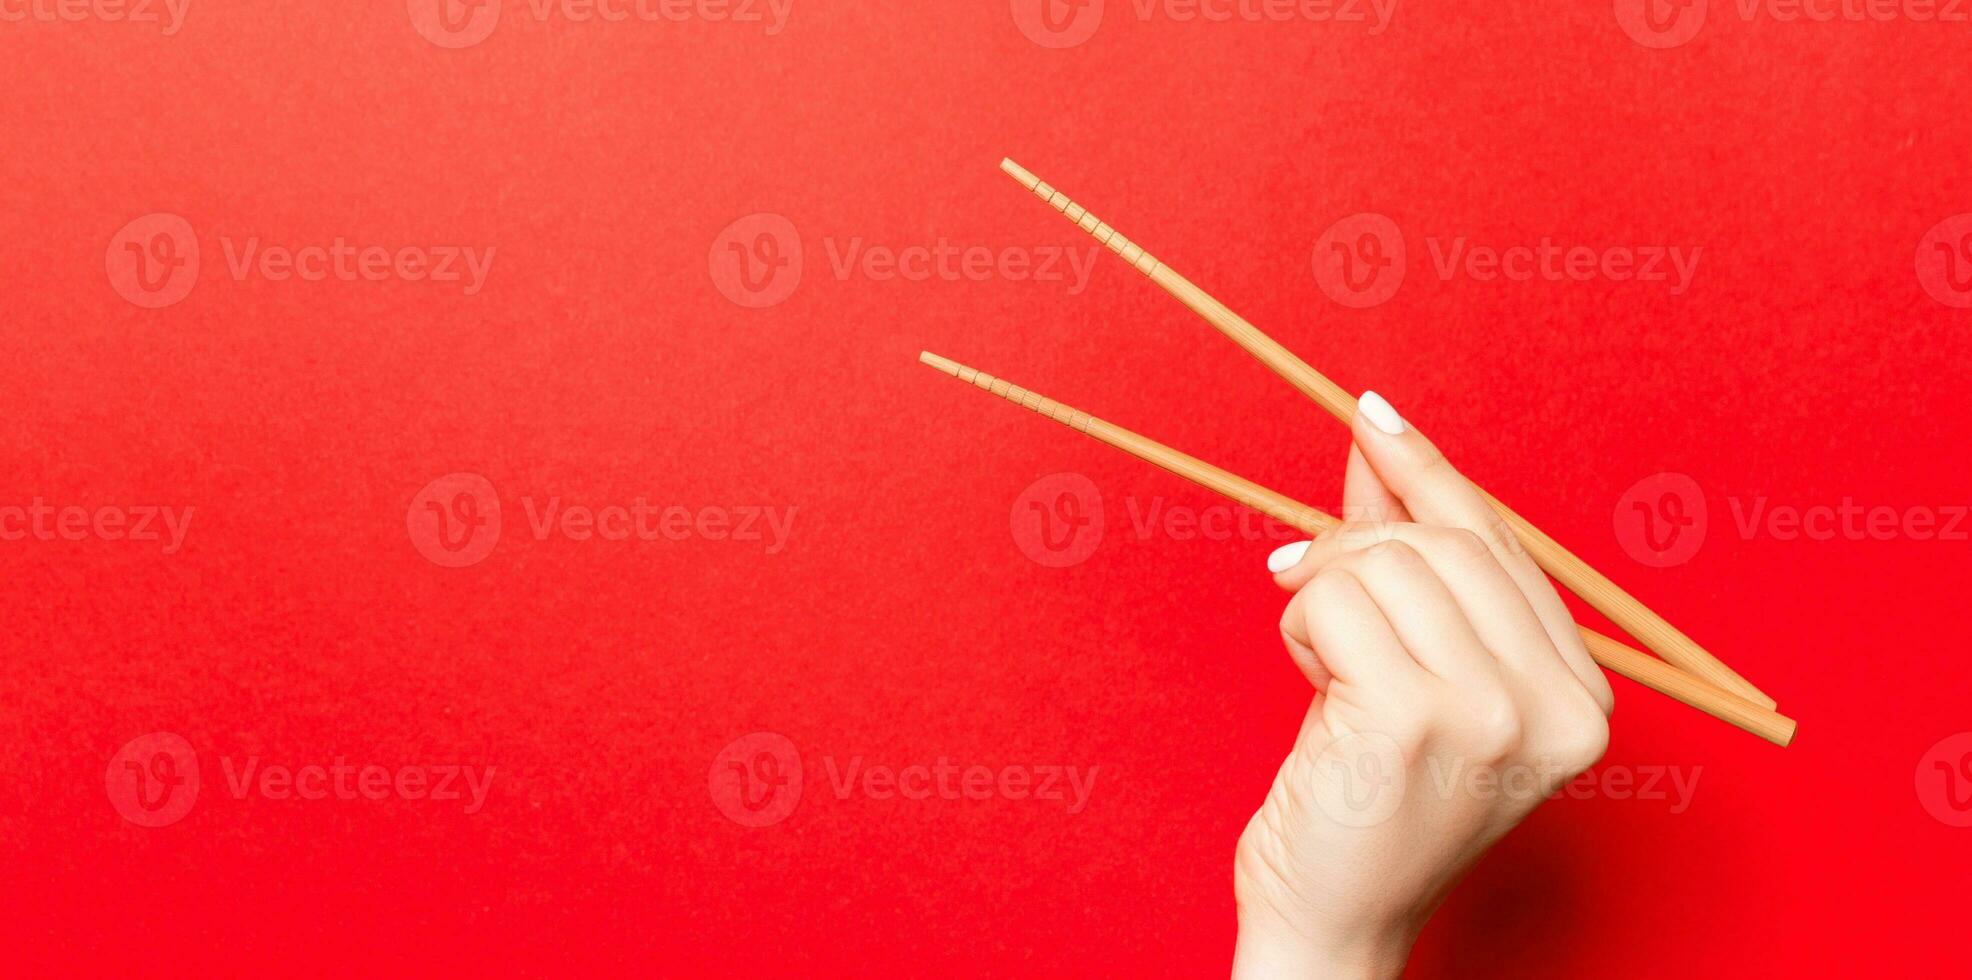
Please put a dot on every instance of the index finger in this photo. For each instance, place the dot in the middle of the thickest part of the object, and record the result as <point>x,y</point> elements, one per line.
<point>1436,493</point>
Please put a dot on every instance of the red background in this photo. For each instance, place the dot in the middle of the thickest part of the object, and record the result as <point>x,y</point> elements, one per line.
<point>902,622</point>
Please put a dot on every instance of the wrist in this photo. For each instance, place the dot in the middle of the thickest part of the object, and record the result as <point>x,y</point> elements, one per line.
<point>1270,951</point>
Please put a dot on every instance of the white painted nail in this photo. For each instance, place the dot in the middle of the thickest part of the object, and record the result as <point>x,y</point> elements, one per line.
<point>1380,414</point>
<point>1287,556</point>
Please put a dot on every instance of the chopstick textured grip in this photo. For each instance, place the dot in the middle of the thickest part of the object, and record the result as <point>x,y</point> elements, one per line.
<point>1128,250</point>
<point>1074,419</point>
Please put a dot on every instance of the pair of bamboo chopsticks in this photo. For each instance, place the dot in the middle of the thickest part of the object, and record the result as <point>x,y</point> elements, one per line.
<point>1691,675</point>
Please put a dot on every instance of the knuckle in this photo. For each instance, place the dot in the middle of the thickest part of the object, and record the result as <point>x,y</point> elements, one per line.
<point>1410,730</point>
<point>1605,697</point>
<point>1459,543</point>
<point>1496,728</point>
<point>1296,620</point>
<point>1425,719</point>
<point>1469,543</point>
<point>1330,589</point>
<point>1391,554</point>
<point>1437,467</point>
<point>1359,534</point>
<point>1376,512</point>
<point>1498,534</point>
<point>1581,738</point>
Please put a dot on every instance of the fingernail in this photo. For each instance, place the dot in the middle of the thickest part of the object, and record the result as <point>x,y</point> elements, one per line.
<point>1287,556</point>
<point>1379,413</point>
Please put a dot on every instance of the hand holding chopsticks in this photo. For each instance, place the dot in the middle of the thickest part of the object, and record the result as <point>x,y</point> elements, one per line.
<point>1592,586</point>
<point>1640,667</point>
<point>1691,675</point>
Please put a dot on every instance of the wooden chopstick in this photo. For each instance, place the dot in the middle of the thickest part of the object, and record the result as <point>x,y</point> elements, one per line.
<point>1633,664</point>
<point>1577,575</point>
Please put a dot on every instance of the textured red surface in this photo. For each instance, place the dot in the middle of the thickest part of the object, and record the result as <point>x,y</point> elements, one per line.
<point>903,622</point>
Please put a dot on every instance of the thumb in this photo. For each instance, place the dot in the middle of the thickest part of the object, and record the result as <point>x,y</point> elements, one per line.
<point>1365,500</point>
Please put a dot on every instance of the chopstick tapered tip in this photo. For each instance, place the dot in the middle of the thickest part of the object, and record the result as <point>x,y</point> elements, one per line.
<point>1020,173</point>
<point>944,364</point>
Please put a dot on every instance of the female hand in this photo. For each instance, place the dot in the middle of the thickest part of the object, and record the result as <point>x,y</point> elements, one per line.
<point>1452,696</point>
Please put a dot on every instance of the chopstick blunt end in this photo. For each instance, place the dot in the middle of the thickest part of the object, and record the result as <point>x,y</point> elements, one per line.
<point>1020,173</point>
<point>946,365</point>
